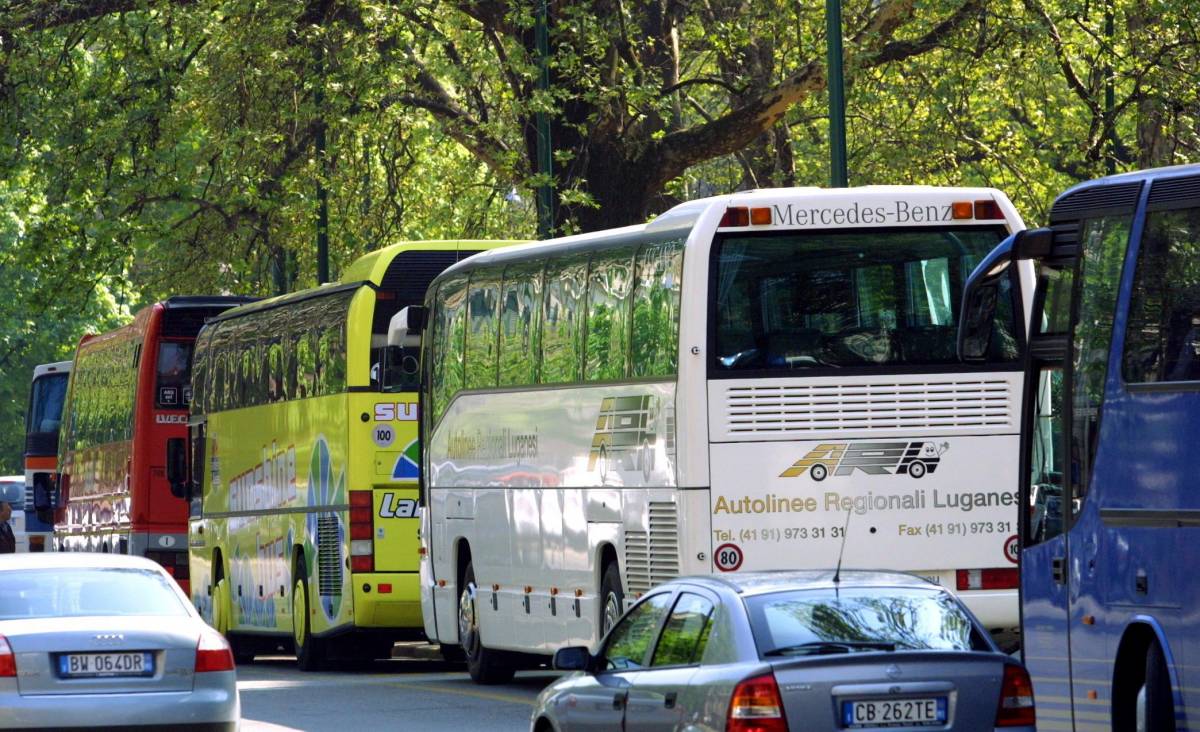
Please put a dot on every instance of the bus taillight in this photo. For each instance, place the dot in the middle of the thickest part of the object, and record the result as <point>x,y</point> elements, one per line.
<point>362,531</point>
<point>985,210</point>
<point>1003,578</point>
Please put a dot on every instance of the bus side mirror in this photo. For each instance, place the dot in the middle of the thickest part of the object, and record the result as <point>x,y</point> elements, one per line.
<point>177,472</point>
<point>400,364</point>
<point>979,314</point>
<point>1033,244</point>
<point>406,324</point>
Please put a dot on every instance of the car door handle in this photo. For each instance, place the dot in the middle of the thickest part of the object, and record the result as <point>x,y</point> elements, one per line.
<point>618,701</point>
<point>1058,570</point>
<point>669,699</point>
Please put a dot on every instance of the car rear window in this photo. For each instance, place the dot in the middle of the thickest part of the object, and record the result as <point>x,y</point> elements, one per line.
<point>815,621</point>
<point>62,592</point>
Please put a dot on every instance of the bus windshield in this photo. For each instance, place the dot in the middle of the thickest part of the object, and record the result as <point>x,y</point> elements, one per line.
<point>46,403</point>
<point>837,299</point>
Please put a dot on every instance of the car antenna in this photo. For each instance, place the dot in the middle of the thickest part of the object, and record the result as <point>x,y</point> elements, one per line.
<point>837,574</point>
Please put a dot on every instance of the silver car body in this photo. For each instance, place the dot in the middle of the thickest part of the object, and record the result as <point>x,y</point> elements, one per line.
<point>173,697</point>
<point>697,696</point>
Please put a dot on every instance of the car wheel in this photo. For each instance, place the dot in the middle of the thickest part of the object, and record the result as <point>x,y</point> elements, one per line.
<point>1156,704</point>
<point>486,666</point>
<point>612,598</point>
<point>818,472</point>
<point>916,469</point>
<point>310,654</point>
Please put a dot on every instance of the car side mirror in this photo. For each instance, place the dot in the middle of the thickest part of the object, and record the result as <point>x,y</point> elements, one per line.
<point>573,658</point>
<point>177,472</point>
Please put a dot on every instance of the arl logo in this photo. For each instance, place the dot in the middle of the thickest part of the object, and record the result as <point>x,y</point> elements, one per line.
<point>393,507</point>
<point>625,434</point>
<point>873,458</point>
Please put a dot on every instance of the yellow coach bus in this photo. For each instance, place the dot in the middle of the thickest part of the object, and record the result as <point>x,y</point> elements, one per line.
<point>301,465</point>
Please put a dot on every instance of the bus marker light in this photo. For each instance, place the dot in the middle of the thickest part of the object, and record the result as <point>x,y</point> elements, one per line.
<point>578,593</point>
<point>385,588</point>
<point>528,589</point>
<point>963,210</point>
<point>760,216</point>
<point>736,216</point>
<point>495,588</point>
<point>363,563</point>
<point>1092,694</point>
<point>988,210</point>
<point>441,583</point>
<point>553,591</point>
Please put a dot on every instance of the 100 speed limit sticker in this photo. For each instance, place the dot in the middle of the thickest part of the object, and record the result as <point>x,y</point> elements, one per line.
<point>728,557</point>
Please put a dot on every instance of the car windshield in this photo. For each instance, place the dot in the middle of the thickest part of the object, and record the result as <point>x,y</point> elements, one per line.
<point>806,622</point>
<point>68,592</point>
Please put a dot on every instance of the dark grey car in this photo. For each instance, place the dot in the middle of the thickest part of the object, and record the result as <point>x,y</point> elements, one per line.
<point>791,650</point>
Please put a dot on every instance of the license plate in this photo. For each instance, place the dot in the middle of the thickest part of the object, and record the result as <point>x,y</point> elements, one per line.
<point>137,663</point>
<point>894,712</point>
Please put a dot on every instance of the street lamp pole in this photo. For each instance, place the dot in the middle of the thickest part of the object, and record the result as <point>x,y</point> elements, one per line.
<point>545,194</point>
<point>837,94</point>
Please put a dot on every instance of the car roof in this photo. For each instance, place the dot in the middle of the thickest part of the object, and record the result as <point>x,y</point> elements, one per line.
<point>760,583</point>
<point>74,560</point>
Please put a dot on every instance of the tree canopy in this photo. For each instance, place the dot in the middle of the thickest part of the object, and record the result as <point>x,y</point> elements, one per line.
<point>157,147</point>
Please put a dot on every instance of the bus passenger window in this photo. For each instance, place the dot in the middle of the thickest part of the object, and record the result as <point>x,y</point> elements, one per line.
<point>446,369</point>
<point>607,348</point>
<point>482,304</point>
<point>561,320</point>
<point>520,307</point>
<point>1046,460</point>
<point>655,342</point>
<point>1162,339</point>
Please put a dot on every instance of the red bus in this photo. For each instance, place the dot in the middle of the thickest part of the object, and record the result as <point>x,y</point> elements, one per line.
<point>129,391</point>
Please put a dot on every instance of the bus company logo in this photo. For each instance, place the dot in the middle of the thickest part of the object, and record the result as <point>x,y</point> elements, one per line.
<point>873,458</point>
<point>392,507</point>
<point>625,434</point>
<point>170,419</point>
<point>396,412</point>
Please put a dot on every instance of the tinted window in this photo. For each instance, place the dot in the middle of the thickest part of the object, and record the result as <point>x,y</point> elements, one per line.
<point>686,633</point>
<point>520,311</point>
<point>483,305</point>
<point>449,327</point>
<point>46,403</point>
<point>51,593</point>
<point>609,283</point>
<point>1046,459</point>
<point>630,640</point>
<point>838,299</point>
<point>562,320</point>
<point>655,343</point>
<point>1162,339</point>
<point>800,622</point>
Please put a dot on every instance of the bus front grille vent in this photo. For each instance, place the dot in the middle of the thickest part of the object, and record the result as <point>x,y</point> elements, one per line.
<point>816,407</point>
<point>329,555</point>
<point>652,558</point>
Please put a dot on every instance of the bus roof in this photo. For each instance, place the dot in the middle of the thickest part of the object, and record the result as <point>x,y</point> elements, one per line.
<point>369,268</point>
<point>1112,194</point>
<point>58,367</point>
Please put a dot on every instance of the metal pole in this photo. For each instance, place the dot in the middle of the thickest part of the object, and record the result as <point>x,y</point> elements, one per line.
<point>322,194</point>
<point>837,94</point>
<point>1110,102</point>
<point>545,193</point>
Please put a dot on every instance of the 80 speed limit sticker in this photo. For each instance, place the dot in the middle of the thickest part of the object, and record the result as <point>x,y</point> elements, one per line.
<point>728,557</point>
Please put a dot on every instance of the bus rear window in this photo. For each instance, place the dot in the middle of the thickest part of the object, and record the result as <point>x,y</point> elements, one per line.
<point>46,404</point>
<point>173,389</point>
<point>833,300</point>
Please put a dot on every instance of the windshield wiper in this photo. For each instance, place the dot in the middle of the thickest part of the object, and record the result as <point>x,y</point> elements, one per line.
<point>825,647</point>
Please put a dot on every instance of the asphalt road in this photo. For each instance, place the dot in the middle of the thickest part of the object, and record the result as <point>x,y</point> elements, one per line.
<point>395,694</point>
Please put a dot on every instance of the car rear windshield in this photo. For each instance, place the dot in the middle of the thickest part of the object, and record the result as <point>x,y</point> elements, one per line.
<point>811,621</point>
<point>841,299</point>
<point>65,592</point>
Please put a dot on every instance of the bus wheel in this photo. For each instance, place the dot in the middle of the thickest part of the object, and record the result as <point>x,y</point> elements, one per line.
<point>1155,703</point>
<point>818,472</point>
<point>310,655</point>
<point>485,666</point>
<point>916,469</point>
<point>612,597</point>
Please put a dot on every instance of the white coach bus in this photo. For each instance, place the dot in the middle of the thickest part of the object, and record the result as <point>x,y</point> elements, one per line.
<point>730,387</point>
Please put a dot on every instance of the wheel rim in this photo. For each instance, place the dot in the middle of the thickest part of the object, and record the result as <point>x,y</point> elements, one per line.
<point>612,611</point>
<point>468,624</point>
<point>299,614</point>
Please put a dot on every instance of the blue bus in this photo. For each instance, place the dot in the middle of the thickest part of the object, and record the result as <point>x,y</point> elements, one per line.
<point>1110,526</point>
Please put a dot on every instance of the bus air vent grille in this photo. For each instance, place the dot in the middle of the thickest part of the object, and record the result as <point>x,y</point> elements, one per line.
<point>652,558</point>
<point>946,404</point>
<point>329,555</point>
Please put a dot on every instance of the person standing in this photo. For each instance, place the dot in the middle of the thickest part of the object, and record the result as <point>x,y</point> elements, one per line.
<point>8,541</point>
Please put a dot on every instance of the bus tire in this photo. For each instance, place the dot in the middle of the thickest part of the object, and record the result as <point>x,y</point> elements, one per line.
<point>486,666</point>
<point>310,652</point>
<point>1156,703</point>
<point>612,598</point>
<point>452,653</point>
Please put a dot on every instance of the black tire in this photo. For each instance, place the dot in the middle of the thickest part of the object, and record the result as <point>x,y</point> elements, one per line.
<point>310,651</point>
<point>1158,714</point>
<point>612,598</point>
<point>243,650</point>
<point>452,654</point>
<point>485,665</point>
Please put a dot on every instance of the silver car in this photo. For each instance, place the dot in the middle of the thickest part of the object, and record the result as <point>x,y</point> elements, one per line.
<point>791,650</point>
<point>104,640</point>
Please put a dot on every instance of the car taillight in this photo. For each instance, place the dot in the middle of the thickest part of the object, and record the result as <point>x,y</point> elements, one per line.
<point>756,706</point>
<point>213,653</point>
<point>1003,578</point>
<point>362,531</point>
<point>1016,699</point>
<point>8,660</point>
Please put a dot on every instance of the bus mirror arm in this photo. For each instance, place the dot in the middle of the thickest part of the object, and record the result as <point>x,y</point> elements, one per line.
<point>406,326</point>
<point>177,472</point>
